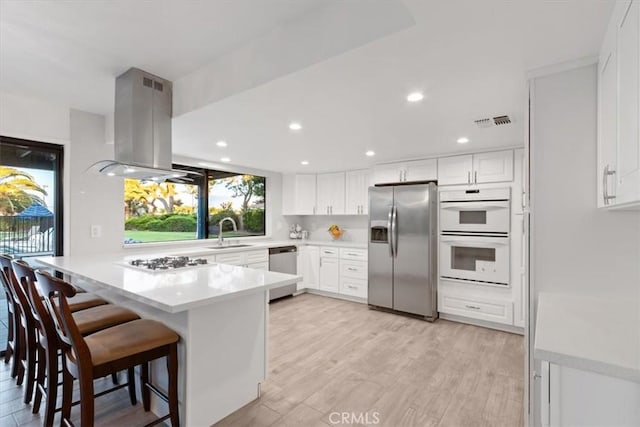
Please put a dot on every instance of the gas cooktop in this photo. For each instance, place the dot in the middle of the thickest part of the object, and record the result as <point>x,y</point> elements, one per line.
<point>166,263</point>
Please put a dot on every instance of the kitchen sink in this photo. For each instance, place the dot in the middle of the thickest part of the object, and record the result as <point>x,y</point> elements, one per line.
<point>228,246</point>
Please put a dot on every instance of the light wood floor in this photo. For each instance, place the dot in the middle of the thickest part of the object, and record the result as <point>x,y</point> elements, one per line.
<point>331,356</point>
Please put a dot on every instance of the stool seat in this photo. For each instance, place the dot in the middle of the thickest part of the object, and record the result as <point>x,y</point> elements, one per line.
<point>127,339</point>
<point>101,317</point>
<point>83,301</point>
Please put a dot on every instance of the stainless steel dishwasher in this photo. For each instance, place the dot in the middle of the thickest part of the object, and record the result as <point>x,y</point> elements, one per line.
<point>283,259</point>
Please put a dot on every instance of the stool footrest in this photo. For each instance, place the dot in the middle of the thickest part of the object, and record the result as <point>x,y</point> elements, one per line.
<point>158,421</point>
<point>157,392</point>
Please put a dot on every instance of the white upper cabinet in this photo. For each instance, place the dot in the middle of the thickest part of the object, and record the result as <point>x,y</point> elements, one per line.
<point>385,174</point>
<point>421,170</point>
<point>480,168</point>
<point>455,170</point>
<point>493,167</point>
<point>357,192</point>
<point>330,193</point>
<point>628,172</point>
<point>607,126</point>
<point>618,109</point>
<point>410,171</point>
<point>299,194</point>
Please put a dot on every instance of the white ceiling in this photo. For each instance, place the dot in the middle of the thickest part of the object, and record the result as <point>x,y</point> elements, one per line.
<point>469,58</point>
<point>70,52</point>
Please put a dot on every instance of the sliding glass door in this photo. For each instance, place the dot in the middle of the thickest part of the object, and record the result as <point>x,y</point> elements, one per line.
<point>30,198</point>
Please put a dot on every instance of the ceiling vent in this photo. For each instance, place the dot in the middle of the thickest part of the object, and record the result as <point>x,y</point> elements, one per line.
<point>501,120</point>
<point>488,122</point>
<point>484,123</point>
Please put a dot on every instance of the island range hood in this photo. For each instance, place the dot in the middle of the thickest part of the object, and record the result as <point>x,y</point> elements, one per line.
<point>142,137</point>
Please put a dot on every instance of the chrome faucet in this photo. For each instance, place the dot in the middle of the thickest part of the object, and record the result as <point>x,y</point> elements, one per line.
<point>233,222</point>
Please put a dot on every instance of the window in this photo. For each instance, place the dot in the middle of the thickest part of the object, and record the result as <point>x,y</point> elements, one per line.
<point>30,197</point>
<point>192,207</point>
<point>241,198</point>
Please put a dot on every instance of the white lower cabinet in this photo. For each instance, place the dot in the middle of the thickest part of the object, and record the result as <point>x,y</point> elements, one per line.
<point>490,304</point>
<point>257,259</point>
<point>309,267</point>
<point>337,270</point>
<point>575,397</point>
<point>353,287</point>
<point>329,274</point>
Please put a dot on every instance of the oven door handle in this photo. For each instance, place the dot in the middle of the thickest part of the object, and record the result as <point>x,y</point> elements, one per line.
<point>474,206</point>
<point>478,242</point>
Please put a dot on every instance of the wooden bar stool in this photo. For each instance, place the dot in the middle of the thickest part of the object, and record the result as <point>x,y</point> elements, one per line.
<point>25,326</point>
<point>89,321</point>
<point>114,349</point>
<point>12,335</point>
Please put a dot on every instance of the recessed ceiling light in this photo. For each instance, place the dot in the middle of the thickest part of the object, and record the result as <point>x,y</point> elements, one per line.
<point>225,159</point>
<point>463,140</point>
<point>111,174</point>
<point>221,143</point>
<point>304,163</point>
<point>295,126</point>
<point>415,97</point>
<point>370,153</point>
<point>129,170</point>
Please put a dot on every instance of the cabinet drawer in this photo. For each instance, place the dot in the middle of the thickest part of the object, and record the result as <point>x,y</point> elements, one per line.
<point>257,256</point>
<point>353,287</point>
<point>329,252</point>
<point>490,310</point>
<point>353,269</point>
<point>259,265</point>
<point>353,254</point>
<point>233,259</point>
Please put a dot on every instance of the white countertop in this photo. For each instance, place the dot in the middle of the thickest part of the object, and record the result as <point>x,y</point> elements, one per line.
<point>592,333</point>
<point>205,247</point>
<point>172,291</point>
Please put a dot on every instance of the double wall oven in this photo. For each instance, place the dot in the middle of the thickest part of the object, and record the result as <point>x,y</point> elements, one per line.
<point>474,236</point>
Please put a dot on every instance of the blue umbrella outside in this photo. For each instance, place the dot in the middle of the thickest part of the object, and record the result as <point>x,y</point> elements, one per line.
<point>35,210</point>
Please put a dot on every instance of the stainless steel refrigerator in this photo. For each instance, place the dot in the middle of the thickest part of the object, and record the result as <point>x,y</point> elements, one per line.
<point>402,249</point>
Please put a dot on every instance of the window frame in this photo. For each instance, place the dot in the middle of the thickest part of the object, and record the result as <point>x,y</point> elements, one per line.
<point>204,176</point>
<point>58,204</point>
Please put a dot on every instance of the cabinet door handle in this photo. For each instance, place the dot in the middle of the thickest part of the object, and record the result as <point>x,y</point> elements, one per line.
<point>351,254</point>
<point>352,269</point>
<point>475,177</point>
<point>468,177</point>
<point>605,181</point>
<point>473,307</point>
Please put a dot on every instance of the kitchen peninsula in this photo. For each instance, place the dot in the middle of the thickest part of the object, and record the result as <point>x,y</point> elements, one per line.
<point>220,311</point>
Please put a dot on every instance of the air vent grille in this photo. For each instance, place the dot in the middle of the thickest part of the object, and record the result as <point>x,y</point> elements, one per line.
<point>487,122</point>
<point>147,82</point>
<point>484,123</point>
<point>501,120</point>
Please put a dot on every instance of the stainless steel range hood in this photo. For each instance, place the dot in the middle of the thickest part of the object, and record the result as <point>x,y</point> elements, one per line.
<point>142,129</point>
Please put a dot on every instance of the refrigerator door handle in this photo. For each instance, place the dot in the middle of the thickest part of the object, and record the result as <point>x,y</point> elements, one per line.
<point>394,230</point>
<point>390,230</point>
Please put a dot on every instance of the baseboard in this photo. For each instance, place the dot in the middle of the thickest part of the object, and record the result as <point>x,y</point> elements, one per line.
<point>335,295</point>
<point>483,323</point>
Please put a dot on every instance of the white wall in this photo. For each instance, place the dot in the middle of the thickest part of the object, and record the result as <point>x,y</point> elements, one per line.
<point>94,199</point>
<point>576,248</point>
<point>355,226</point>
<point>30,118</point>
